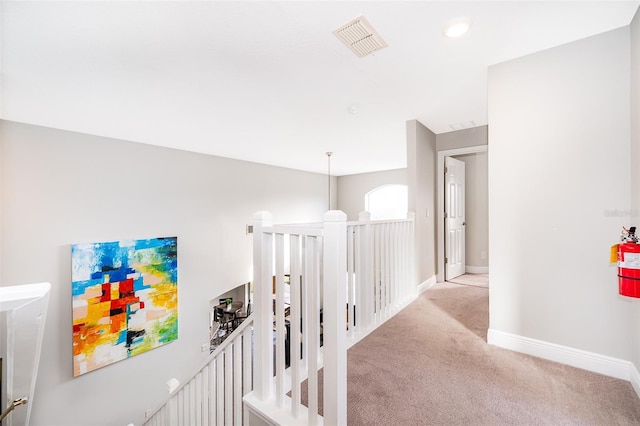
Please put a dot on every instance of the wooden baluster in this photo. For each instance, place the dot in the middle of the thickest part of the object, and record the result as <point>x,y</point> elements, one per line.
<point>279,325</point>
<point>294,324</point>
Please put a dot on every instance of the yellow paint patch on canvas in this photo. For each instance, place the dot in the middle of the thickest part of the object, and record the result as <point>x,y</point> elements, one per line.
<point>115,291</point>
<point>165,295</point>
<point>145,345</point>
<point>98,311</point>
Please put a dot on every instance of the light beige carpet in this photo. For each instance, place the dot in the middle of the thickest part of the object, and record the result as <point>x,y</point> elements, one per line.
<point>426,366</point>
<point>469,305</point>
<point>477,280</point>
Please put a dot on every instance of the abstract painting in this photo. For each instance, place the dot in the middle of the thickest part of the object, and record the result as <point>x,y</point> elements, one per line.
<point>125,299</point>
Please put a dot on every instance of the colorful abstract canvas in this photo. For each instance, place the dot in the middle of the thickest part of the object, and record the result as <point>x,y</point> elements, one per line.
<point>125,300</point>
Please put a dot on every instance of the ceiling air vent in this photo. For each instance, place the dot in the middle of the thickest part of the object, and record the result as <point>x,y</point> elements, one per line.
<point>463,125</point>
<point>360,37</point>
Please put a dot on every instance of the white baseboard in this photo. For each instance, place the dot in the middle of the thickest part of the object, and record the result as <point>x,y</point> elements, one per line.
<point>635,379</point>
<point>602,364</point>
<point>476,269</point>
<point>427,284</point>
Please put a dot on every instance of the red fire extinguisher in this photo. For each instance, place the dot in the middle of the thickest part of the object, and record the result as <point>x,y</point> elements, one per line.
<point>629,264</point>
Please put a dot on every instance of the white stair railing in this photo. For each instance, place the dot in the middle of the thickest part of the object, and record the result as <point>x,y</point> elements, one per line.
<point>381,276</point>
<point>316,261</point>
<point>351,277</point>
<point>213,394</point>
<point>345,280</point>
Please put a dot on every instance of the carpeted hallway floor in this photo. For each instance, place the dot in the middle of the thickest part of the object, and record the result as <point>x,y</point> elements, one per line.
<point>467,304</point>
<point>431,365</point>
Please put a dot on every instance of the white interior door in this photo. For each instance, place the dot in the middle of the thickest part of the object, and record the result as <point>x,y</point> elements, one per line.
<point>454,218</point>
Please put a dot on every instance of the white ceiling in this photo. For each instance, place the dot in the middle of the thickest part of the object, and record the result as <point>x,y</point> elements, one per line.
<point>267,81</point>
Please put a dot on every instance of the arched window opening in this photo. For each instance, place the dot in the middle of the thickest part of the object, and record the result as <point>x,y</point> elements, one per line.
<point>387,202</point>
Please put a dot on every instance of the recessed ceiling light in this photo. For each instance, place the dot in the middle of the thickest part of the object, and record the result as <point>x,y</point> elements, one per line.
<point>456,27</point>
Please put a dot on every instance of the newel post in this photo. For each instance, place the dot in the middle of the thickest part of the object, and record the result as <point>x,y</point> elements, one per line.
<point>263,309</point>
<point>335,317</point>
<point>367,285</point>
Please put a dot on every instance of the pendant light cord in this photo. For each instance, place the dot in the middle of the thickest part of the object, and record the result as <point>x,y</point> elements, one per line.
<point>329,175</point>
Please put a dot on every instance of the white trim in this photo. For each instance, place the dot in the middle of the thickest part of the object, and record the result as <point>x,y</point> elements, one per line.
<point>11,299</point>
<point>590,361</point>
<point>15,296</point>
<point>440,199</point>
<point>362,333</point>
<point>269,413</point>
<point>635,379</point>
<point>427,284</point>
<point>476,269</point>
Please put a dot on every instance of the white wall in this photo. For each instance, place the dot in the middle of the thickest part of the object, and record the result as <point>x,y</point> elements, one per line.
<point>635,156</point>
<point>60,188</point>
<point>465,138</point>
<point>353,188</point>
<point>559,140</point>
<point>3,349</point>
<point>421,182</point>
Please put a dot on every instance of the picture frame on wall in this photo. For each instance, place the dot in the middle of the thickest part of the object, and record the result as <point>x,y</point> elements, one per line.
<point>124,299</point>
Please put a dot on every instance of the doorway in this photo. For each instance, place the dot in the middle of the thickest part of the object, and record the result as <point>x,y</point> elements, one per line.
<point>476,220</point>
<point>454,218</point>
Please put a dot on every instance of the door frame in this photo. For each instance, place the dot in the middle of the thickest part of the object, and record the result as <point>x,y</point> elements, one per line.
<point>440,201</point>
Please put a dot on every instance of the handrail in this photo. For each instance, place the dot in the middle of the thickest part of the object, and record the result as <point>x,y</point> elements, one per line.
<point>220,348</point>
<point>380,270</point>
<point>374,221</point>
<point>291,229</point>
